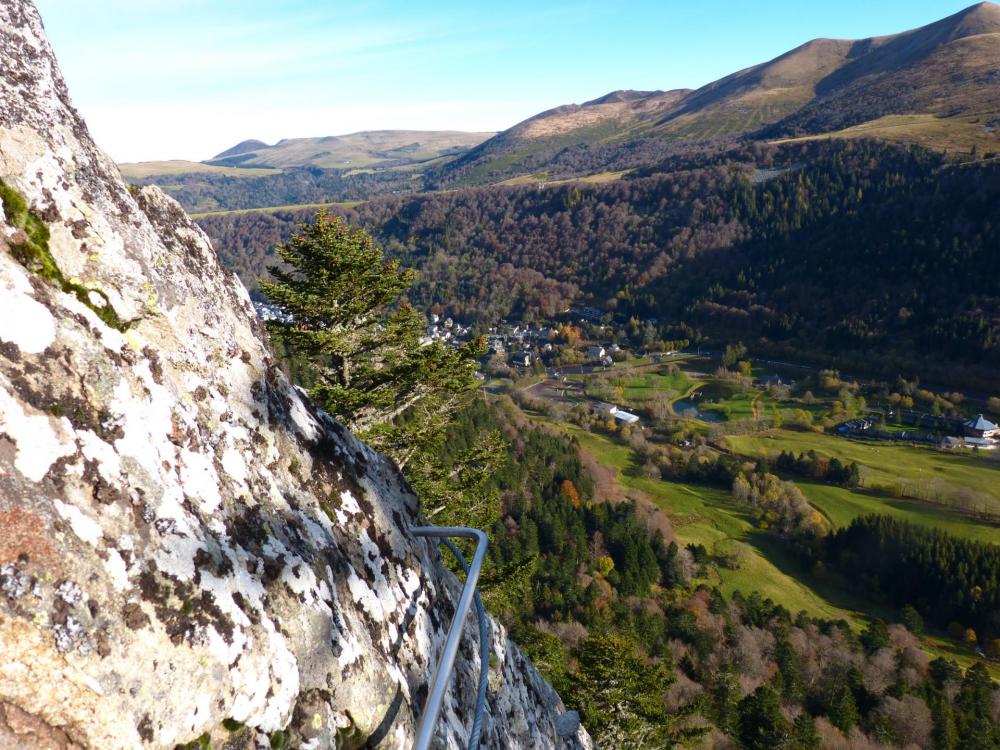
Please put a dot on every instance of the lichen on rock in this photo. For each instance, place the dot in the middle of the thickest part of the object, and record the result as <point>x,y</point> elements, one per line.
<point>191,552</point>
<point>28,239</point>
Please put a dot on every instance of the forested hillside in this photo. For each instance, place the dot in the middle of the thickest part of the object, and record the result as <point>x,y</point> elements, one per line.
<point>624,622</point>
<point>203,191</point>
<point>953,580</point>
<point>832,249</point>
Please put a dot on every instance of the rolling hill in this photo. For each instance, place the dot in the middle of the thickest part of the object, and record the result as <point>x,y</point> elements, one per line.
<point>144,169</point>
<point>333,169</point>
<point>937,86</point>
<point>947,70</point>
<point>353,151</point>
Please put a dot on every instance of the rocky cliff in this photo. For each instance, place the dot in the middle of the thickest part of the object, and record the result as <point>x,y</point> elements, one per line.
<point>189,550</point>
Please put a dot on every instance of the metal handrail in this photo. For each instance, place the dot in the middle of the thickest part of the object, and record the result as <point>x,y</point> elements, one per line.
<point>485,646</point>
<point>443,671</point>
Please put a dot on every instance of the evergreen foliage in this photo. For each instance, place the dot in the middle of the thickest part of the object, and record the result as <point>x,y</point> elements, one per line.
<point>705,245</point>
<point>607,612</point>
<point>361,356</point>
<point>944,577</point>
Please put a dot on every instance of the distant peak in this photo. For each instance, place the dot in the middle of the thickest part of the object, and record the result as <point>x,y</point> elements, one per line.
<point>982,18</point>
<point>978,8</point>
<point>241,148</point>
<point>622,95</point>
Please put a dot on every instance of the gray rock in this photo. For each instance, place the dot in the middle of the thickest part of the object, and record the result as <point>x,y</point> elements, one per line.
<point>189,547</point>
<point>568,724</point>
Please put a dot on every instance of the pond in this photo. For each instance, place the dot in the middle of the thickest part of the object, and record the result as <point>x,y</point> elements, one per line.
<point>687,408</point>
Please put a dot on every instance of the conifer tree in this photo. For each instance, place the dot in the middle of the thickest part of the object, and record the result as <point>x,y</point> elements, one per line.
<point>761,723</point>
<point>945,734</point>
<point>804,732</point>
<point>725,695</point>
<point>843,709</point>
<point>621,697</point>
<point>363,359</point>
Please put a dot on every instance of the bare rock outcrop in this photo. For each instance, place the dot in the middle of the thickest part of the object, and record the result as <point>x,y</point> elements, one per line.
<point>188,548</point>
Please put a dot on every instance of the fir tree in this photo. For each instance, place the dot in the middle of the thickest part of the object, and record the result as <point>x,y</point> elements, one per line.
<point>620,696</point>
<point>725,696</point>
<point>945,734</point>
<point>363,360</point>
<point>804,732</point>
<point>843,709</point>
<point>789,670</point>
<point>761,723</point>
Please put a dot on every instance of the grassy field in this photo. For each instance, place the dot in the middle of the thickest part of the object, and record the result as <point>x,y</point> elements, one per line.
<point>704,515</point>
<point>842,505</point>
<point>143,169</point>
<point>883,463</point>
<point>728,399</point>
<point>953,134</point>
<point>708,516</point>
<point>599,178</point>
<point>275,209</point>
<point>643,387</point>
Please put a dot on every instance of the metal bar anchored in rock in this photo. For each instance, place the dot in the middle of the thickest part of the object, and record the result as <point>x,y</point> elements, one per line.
<point>443,671</point>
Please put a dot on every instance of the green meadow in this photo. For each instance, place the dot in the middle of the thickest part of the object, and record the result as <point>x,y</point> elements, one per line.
<point>842,505</point>
<point>708,516</point>
<point>912,483</point>
<point>705,515</point>
<point>927,480</point>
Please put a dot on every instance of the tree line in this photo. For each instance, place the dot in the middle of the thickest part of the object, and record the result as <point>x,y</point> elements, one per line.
<point>947,579</point>
<point>824,256</point>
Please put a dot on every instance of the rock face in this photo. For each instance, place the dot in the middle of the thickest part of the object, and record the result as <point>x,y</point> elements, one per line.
<point>188,549</point>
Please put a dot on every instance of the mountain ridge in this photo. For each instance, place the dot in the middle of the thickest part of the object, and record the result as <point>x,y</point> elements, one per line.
<point>366,148</point>
<point>823,84</point>
<point>241,148</point>
<point>936,85</point>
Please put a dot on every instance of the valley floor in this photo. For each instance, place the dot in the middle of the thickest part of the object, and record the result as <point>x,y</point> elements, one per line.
<point>915,484</point>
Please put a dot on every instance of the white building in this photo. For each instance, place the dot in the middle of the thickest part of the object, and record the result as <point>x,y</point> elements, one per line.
<point>596,353</point>
<point>621,415</point>
<point>980,427</point>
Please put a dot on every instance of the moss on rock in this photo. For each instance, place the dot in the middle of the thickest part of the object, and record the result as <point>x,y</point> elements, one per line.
<point>32,251</point>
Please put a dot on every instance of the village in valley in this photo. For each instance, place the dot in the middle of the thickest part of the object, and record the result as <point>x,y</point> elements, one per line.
<point>667,423</point>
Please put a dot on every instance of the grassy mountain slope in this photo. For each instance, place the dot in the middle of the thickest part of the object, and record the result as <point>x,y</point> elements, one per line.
<point>757,96</point>
<point>948,69</point>
<point>964,134</point>
<point>143,169</point>
<point>352,151</point>
<point>242,147</point>
<point>937,86</point>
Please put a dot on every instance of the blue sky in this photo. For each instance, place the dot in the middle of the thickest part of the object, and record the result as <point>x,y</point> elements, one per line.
<point>159,79</point>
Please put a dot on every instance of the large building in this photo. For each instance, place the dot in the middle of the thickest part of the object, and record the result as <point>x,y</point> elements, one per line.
<point>980,427</point>
<point>621,415</point>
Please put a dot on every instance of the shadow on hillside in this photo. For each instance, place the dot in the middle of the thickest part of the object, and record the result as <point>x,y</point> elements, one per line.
<point>828,586</point>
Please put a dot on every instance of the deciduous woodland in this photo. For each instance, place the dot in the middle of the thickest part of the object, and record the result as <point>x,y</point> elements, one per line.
<point>600,593</point>
<point>841,250</point>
